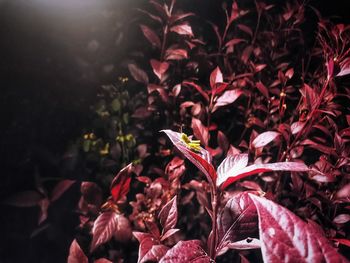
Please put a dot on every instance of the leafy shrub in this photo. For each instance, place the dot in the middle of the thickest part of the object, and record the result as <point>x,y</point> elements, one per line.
<point>253,88</point>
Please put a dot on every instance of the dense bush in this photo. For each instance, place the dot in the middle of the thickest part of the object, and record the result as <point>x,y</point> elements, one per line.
<point>265,101</point>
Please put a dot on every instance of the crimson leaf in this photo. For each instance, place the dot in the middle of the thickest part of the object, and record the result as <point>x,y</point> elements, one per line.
<point>104,227</point>
<point>168,215</point>
<point>151,36</point>
<point>200,131</point>
<point>232,175</point>
<point>159,68</point>
<point>186,251</point>
<point>138,74</point>
<point>226,98</point>
<point>183,29</point>
<point>201,159</point>
<point>76,254</point>
<point>237,221</point>
<point>286,238</point>
<point>121,183</point>
<point>215,77</point>
<point>264,138</point>
<point>150,249</point>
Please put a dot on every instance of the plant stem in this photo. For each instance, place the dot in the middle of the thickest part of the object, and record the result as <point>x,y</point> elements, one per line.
<point>215,206</point>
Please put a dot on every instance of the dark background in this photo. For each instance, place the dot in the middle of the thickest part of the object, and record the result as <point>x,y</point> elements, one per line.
<point>54,55</point>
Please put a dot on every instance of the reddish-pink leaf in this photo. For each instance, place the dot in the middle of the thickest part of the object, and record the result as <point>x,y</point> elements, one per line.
<point>102,260</point>
<point>343,241</point>
<point>123,231</point>
<point>286,238</point>
<point>176,54</point>
<point>44,205</point>
<point>264,138</point>
<point>234,42</point>
<point>183,29</point>
<point>228,178</point>
<point>121,183</point>
<point>216,77</point>
<point>262,88</point>
<point>201,159</point>
<point>104,227</point>
<point>245,29</point>
<point>60,188</point>
<point>341,219</point>
<point>237,221</point>
<point>24,199</point>
<point>159,68</point>
<point>232,164</point>
<point>76,254</point>
<point>226,98</point>
<point>150,249</point>
<point>223,142</point>
<point>296,127</point>
<point>138,74</point>
<point>168,215</point>
<point>246,54</point>
<point>248,243</point>
<point>151,36</point>
<point>186,251</point>
<point>198,88</point>
<point>289,73</point>
<point>155,18</point>
<point>177,17</point>
<point>169,233</point>
<point>200,131</point>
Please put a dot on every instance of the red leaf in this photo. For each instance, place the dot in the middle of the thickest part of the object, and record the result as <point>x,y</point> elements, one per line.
<point>176,54</point>
<point>235,174</point>
<point>183,29</point>
<point>234,42</point>
<point>102,260</point>
<point>123,231</point>
<point>237,221</point>
<point>150,249</point>
<point>232,164</point>
<point>121,183</point>
<point>169,233</point>
<point>216,77</point>
<point>223,142</point>
<point>296,127</point>
<point>264,138</point>
<point>200,131</point>
<point>262,88</point>
<point>60,188</point>
<point>249,243</point>
<point>245,29</point>
<point>138,74</point>
<point>201,160</point>
<point>286,238</point>
<point>76,254</point>
<point>341,219</point>
<point>186,251</point>
<point>44,205</point>
<point>226,98</point>
<point>345,242</point>
<point>198,88</point>
<point>168,215</point>
<point>159,68</point>
<point>177,17</point>
<point>24,199</point>
<point>246,54</point>
<point>103,229</point>
<point>289,73</point>
<point>151,36</point>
